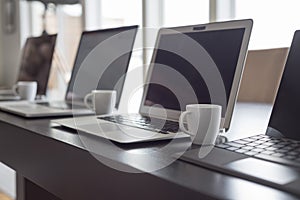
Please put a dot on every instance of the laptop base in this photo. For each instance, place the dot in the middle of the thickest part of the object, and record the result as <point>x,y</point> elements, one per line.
<point>279,173</point>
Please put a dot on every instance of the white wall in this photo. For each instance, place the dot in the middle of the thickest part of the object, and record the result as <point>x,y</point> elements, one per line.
<point>9,54</point>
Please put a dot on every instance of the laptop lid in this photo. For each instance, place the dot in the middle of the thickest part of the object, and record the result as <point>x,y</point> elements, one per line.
<point>36,61</point>
<point>196,64</point>
<point>96,75</point>
<point>285,114</point>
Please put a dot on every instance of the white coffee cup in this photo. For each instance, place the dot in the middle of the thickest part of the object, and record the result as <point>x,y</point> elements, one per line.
<point>203,122</point>
<point>26,90</point>
<point>101,101</point>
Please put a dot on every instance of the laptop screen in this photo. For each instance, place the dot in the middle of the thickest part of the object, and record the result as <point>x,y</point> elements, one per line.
<point>36,61</point>
<point>196,65</point>
<point>223,46</point>
<point>84,79</point>
<point>286,110</point>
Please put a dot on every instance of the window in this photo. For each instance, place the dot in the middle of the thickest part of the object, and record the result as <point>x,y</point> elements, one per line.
<point>274,21</point>
<point>66,20</point>
<point>188,12</point>
<point>112,13</point>
<point>115,13</point>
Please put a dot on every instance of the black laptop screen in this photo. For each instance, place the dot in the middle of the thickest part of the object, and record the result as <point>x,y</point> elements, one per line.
<point>223,46</point>
<point>36,61</point>
<point>286,111</point>
<point>113,76</point>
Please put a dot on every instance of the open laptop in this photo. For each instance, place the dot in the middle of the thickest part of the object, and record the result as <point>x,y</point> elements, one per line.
<point>87,75</point>
<point>274,158</point>
<point>35,64</point>
<point>185,60</point>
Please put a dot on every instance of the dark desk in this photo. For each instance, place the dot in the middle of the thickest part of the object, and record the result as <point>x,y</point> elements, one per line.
<point>55,163</point>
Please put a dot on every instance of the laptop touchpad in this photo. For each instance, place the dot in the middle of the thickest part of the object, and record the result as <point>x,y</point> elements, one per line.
<point>267,171</point>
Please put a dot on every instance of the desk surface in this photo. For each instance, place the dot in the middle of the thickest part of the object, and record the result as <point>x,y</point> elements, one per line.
<point>58,161</point>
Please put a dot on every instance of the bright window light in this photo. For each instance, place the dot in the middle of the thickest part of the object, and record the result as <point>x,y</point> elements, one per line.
<point>274,21</point>
<point>73,10</point>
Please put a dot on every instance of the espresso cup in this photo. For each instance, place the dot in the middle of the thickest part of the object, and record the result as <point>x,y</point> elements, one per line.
<point>26,90</point>
<point>101,101</point>
<point>203,123</point>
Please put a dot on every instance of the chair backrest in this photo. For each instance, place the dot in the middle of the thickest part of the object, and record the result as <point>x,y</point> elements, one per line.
<point>262,75</point>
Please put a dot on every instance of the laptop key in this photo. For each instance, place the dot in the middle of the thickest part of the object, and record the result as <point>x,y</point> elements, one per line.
<point>281,151</point>
<point>265,136</point>
<point>233,144</point>
<point>271,148</point>
<point>278,154</point>
<point>283,143</point>
<point>257,150</point>
<point>248,140</point>
<point>251,153</point>
<point>275,140</point>
<point>256,137</point>
<point>252,144</point>
<point>248,147</point>
<point>290,157</point>
<point>241,150</point>
<point>261,146</point>
<point>268,144</point>
<point>241,142</point>
<point>265,139</point>
<point>292,153</point>
<point>288,148</point>
<point>259,142</point>
<point>278,145</point>
<point>294,145</point>
<point>268,152</point>
<point>232,148</point>
<point>223,146</point>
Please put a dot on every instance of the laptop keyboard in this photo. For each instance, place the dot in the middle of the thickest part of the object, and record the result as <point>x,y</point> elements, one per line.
<point>143,122</point>
<point>61,105</point>
<point>266,147</point>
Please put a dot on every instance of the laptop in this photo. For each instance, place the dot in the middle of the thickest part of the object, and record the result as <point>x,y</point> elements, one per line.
<point>102,60</point>
<point>184,62</point>
<point>35,64</point>
<point>273,158</point>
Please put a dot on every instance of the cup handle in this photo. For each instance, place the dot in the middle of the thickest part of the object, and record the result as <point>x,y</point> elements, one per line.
<point>15,89</point>
<point>181,124</point>
<point>86,99</point>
